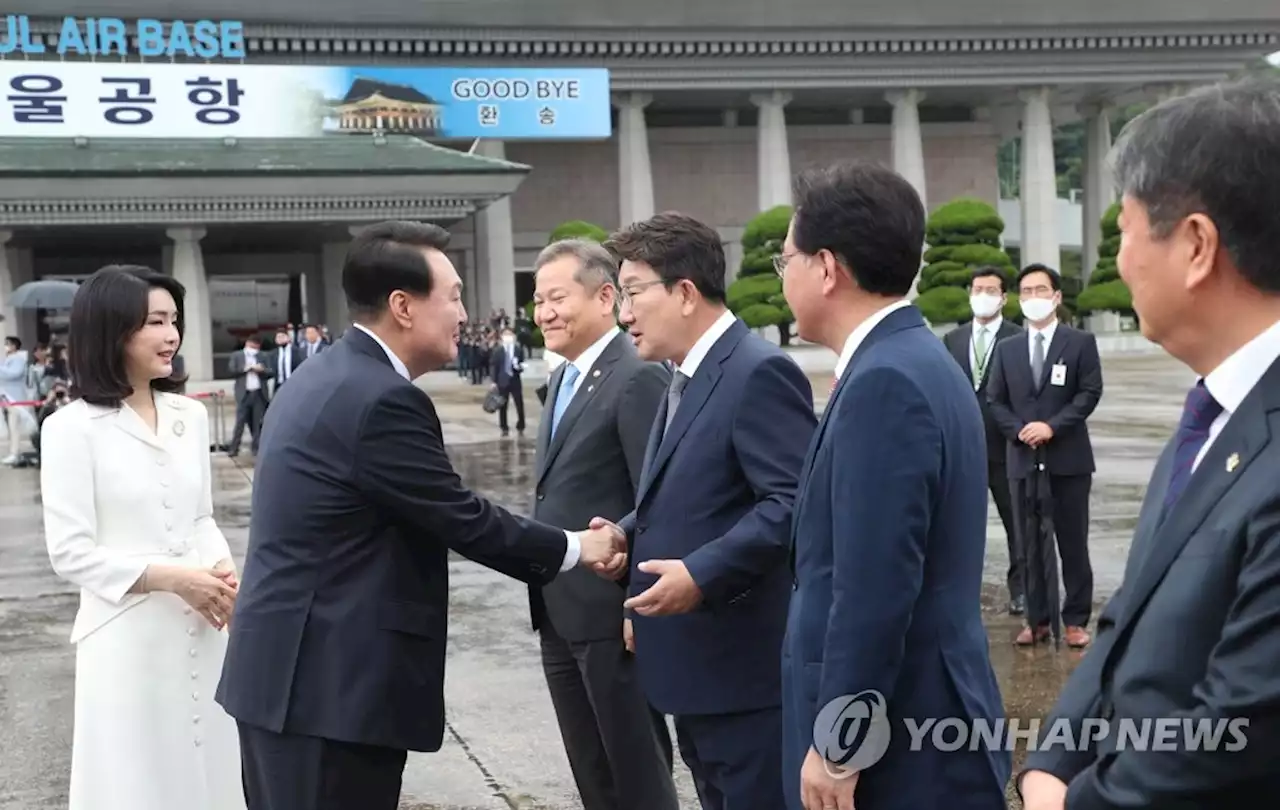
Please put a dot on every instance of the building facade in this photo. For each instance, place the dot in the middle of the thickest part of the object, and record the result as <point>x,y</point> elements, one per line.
<point>714,108</point>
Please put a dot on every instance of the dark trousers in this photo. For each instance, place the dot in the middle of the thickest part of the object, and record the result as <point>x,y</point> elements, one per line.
<point>250,410</point>
<point>618,747</point>
<point>1071,527</point>
<point>735,759</point>
<point>515,394</point>
<point>998,483</point>
<point>291,772</point>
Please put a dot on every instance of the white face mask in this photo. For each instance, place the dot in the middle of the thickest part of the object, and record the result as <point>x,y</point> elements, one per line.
<point>1037,309</point>
<point>984,306</point>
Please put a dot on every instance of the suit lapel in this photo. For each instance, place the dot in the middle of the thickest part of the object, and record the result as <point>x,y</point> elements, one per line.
<point>548,415</point>
<point>696,394</point>
<point>1245,435</point>
<point>965,349</point>
<point>588,386</point>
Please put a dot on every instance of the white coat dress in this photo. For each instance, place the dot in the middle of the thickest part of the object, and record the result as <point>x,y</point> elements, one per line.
<point>117,497</point>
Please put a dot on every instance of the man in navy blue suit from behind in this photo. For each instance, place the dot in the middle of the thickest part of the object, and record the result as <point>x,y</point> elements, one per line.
<point>708,595</point>
<point>890,521</point>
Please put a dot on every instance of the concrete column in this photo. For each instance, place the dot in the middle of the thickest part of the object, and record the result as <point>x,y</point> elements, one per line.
<point>313,304</point>
<point>773,156</point>
<point>635,173</point>
<point>1039,197</point>
<point>9,322</point>
<point>493,229</point>
<point>908,141</point>
<point>188,270</point>
<point>332,257</point>
<point>1099,187</point>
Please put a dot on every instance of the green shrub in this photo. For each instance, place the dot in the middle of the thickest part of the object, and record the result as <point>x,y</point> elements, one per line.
<point>1106,292</point>
<point>578,229</point>
<point>963,235</point>
<point>756,295</point>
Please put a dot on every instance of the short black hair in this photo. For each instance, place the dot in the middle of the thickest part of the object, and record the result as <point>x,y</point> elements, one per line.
<point>386,257</point>
<point>15,340</point>
<point>990,271</point>
<point>677,247</point>
<point>1055,280</point>
<point>868,216</point>
<point>109,309</point>
<point>1214,151</point>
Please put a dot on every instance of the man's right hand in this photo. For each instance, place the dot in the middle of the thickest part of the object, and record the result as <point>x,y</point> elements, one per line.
<point>604,549</point>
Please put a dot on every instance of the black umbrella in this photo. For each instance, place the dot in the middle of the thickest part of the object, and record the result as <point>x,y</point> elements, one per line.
<point>44,295</point>
<point>1041,568</point>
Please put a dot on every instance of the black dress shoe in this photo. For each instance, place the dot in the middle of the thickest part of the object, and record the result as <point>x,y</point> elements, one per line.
<point>1017,606</point>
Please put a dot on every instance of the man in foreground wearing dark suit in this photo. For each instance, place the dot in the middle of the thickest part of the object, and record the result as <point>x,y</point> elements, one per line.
<point>973,345</point>
<point>590,450</point>
<point>1043,387</point>
<point>1192,636</point>
<point>708,595</point>
<point>335,664</point>
<point>890,527</point>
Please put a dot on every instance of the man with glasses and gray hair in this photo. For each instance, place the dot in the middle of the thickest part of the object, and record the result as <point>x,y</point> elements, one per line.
<point>1189,643</point>
<point>601,403</point>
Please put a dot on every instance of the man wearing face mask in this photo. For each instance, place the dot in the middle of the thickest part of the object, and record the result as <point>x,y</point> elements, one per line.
<point>973,345</point>
<point>506,366</point>
<point>1042,390</point>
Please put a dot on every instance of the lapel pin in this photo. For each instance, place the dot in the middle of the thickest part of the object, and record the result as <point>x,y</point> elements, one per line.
<point>179,428</point>
<point>1232,462</point>
<point>595,373</point>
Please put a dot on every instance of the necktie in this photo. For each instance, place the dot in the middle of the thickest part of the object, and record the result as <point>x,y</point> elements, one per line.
<point>1037,359</point>
<point>564,395</point>
<point>1198,415</point>
<point>678,382</point>
<point>979,355</point>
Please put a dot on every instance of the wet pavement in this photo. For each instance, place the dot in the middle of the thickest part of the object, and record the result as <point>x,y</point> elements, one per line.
<point>502,748</point>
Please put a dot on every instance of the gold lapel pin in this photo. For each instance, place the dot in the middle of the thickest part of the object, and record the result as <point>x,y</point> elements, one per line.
<point>1233,461</point>
<point>179,428</point>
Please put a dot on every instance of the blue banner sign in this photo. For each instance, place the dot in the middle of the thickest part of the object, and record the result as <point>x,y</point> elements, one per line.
<point>109,36</point>
<point>45,99</point>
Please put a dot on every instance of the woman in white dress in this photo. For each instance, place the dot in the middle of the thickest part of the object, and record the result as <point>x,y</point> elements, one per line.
<point>128,517</point>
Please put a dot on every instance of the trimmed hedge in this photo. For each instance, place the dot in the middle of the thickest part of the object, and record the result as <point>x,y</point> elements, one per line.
<point>1106,292</point>
<point>756,295</point>
<point>963,234</point>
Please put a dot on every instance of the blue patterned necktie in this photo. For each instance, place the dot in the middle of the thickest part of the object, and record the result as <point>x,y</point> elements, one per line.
<point>1198,415</point>
<point>564,395</point>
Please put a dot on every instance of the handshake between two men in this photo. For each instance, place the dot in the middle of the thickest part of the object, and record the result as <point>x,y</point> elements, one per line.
<point>603,549</point>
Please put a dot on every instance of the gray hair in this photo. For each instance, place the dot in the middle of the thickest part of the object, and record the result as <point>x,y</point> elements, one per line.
<point>596,266</point>
<point>1215,151</point>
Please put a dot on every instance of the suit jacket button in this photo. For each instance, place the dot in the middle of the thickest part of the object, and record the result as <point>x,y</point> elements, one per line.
<point>541,496</point>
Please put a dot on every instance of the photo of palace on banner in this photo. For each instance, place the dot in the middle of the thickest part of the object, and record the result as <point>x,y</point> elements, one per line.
<point>154,100</point>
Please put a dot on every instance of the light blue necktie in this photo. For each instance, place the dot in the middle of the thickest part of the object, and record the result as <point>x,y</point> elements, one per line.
<point>565,395</point>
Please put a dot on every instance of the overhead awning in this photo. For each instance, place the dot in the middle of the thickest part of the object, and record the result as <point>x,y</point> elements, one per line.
<point>338,178</point>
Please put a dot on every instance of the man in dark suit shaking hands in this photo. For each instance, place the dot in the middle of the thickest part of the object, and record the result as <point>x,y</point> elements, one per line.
<point>973,345</point>
<point>335,665</point>
<point>1192,636</point>
<point>890,524</point>
<point>600,407</point>
<point>708,594</point>
<point>1044,385</point>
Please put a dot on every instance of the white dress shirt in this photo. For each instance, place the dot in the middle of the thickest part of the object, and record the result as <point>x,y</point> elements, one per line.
<point>859,334</point>
<point>585,361</point>
<point>1236,376</point>
<point>990,330</point>
<point>284,362</point>
<point>573,548</point>
<point>702,345</point>
<point>252,382</point>
<point>1048,338</point>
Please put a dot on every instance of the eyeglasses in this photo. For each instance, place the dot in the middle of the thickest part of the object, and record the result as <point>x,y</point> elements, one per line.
<point>626,294</point>
<point>781,260</point>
